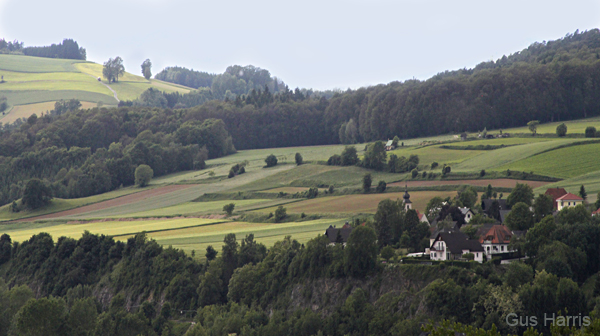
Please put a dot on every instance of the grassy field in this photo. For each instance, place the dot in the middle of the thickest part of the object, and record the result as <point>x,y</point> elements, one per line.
<point>109,228</point>
<point>198,238</point>
<point>354,204</point>
<point>563,163</point>
<point>591,181</point>
<point>573,126</point>
<point>193,208</point>
<point>32,80</point>
<point>24,111</point>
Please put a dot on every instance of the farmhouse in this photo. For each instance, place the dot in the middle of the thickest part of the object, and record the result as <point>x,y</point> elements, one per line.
<point>452,245</point>
<point>390,145</point>
<point>338,236</point>
<point>556,193</point>
<point>568,200</point>
<point>496,240</point>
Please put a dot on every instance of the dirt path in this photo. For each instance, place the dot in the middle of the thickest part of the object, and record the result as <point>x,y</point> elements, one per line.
<point>501,183</point>
<point>119,201</point>
<point>111,89</point>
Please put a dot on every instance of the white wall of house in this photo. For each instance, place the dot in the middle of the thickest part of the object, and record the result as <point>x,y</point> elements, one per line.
<point>438,251</point>
<point>478,255</point>
<point>491,249</point>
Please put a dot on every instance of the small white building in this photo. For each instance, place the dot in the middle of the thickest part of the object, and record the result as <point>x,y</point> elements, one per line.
<point>467,213</point>
<point>568,200</point>
<point>452,245</point>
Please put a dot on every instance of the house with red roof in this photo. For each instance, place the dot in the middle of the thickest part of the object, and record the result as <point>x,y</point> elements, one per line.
<point>496,240</point>
<point>568,200</point>
<point>423,218</point>
<point>556,193</point>
<point>596,213</point>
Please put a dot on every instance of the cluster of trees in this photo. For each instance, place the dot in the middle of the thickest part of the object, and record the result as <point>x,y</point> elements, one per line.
<point>113,68</point>
<point>9,47</point>
<point>247,289</point>
<point>186,77</point>
<point>105,149</point>
<point>67,49</point>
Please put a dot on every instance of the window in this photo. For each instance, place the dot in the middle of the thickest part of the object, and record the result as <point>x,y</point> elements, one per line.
<point>562,203</point>
<point>502,248</point>
<point>435,255</point>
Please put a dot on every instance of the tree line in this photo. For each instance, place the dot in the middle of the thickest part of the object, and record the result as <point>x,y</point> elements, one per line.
<point>105,151</point>
<point>68,48</point>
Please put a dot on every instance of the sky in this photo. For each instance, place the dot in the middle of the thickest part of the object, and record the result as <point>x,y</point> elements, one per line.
<point>322,44</point>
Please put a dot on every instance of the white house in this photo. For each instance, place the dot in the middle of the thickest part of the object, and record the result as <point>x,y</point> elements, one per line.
<point>496,240</point>
<point>452,245</point>
<point>467,213</point>
<point>568,200</point>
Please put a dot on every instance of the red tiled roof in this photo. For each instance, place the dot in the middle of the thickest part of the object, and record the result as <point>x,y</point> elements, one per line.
<point>570,197</point>
<point>556,192</point>
<point>597,212</point>
<point>498,234</point>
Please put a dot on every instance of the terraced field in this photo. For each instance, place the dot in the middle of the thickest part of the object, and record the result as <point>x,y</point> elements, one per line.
<point>198,238</point>
<point>33,80</point>
<point>24,111</point>
<point>573,126</point>
<point>354,204</point>
<point>563,163</point>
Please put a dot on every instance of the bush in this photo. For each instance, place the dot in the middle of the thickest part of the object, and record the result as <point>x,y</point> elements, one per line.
<point>367,183</point>
<point>334,160</point>
<point>143,175</point>
<point>312,193</point>
<point>482,173</point>
<point>381,187</point>
<point>280,214</point>
<point>228,208</point>
<point>434,165</point>
<point>231,173</point>
<point>424,175</point>
<point>331,189</point>
<point>561,130</point>
<point>590,132</point>
<point>36,194</point>
<point>271,160</point>
<point>299,159</point>
<point>387,253</point>
<point>414,173</point>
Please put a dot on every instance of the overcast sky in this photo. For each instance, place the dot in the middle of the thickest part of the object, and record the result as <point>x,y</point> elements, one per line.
<point>314,44</point>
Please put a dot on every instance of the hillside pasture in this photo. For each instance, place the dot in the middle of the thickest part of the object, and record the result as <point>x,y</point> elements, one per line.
<point>198,238</point>
<point>591,181</point>
<point>498,183</point>
<point>194,208</point>
<point>39,96</point>
<point>25,111</point>
<point>562,163</point>
<point>573,126</point>
<point>354,204</point>
<point>109,228</point>
<point>20,63</point>
<point>504,156</point>
<point>430,154</point>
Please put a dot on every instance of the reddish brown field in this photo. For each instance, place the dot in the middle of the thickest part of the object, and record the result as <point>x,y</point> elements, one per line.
<point>127,199</point>
<point>501,183</point>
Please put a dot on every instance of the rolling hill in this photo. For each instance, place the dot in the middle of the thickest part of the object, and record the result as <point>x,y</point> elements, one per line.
<point>33,84</point>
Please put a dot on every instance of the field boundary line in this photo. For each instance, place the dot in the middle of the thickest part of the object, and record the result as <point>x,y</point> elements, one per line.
<point>165,230</point>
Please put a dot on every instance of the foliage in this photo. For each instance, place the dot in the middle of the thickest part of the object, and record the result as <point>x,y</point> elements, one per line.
<point>561,130</point>
<point>228,208</point>
<point>147,69</point>
<point>582,192</point>
<point>590,132</point>
<point>522,192</point>
<point>36,194</point>
<point>542,207</point>
<point>143,175</point>
<point>298,158</point>
<point>360,254</point>
<point>271,160</point>
<point>366,183</point>
<point>280,214</point>
<point>113,68</point>
<point>67,49</point>
<point>375,156</point>
<point>349,156</point>
<point>519,218</point>
<point>533,126</point>
<point>387,253</point>
<point>381,187</point>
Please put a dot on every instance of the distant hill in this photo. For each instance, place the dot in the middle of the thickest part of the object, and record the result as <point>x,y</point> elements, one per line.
<point>32,84</point>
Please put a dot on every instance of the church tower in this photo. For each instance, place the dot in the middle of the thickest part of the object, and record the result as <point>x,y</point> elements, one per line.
<point>407,202</point>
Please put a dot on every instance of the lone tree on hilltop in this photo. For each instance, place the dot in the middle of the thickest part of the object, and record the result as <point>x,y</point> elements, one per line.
<point>113,68</point>
<point>147,69</point>
<point>143,175</point>
<point>533,126</point>
<point>561,130</point>
<point>271,160</point>
<point>36,194</point>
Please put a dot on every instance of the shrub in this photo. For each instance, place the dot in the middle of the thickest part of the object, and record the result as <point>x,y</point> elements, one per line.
<point>590,132</point>
<point>381,187</point>
<point>334,160</point>
<point>434,165</point>
<point>387,253</point>
<point>228,208</point>
<point>231,173</point>
<point>424,175</point>
<point>482,173</point>
<point>280,214</point>
<point>367,183</point>
<point>414,173</point>
<point>331,189</point>
<point>271,160</point>
<point>299,159</point>
<point>561,130</point>
<point>143,175</point>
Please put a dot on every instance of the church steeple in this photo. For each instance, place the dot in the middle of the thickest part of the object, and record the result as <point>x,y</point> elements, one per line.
<point>407,202</point>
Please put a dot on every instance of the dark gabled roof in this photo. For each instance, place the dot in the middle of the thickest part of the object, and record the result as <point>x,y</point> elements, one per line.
<point>457,241</point>
<point>332,233</point>
<point>435,231</point>
<point>487,203</point>
<point>503,214</point>
<point>556,193</point>
<point>484,229</point>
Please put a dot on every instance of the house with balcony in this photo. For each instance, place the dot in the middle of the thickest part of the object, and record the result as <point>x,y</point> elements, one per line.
<point>452,245</point>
